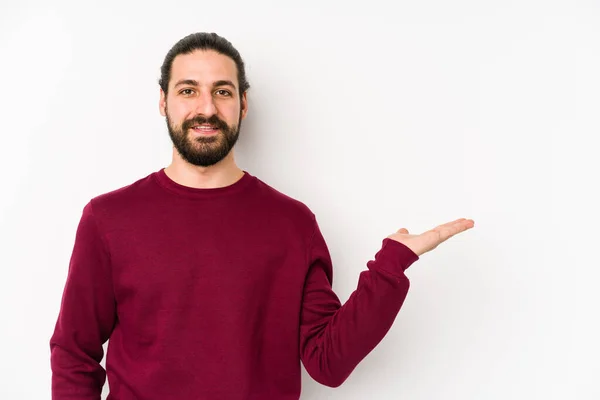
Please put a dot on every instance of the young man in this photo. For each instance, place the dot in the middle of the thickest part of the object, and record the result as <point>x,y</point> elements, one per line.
<point>209,283</point>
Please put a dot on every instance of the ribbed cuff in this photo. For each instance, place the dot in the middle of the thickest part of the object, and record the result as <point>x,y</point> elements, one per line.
<point>394,257</point>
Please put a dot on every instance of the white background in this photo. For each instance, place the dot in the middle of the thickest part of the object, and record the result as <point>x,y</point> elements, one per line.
<point>377,115</point>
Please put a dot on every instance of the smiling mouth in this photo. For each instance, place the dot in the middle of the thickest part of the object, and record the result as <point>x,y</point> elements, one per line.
<point>205,129</point>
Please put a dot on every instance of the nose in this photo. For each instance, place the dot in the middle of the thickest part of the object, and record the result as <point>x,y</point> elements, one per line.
<point>205,104</point>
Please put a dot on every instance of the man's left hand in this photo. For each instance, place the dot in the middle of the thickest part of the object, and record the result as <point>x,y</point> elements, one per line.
<point>429,240</point>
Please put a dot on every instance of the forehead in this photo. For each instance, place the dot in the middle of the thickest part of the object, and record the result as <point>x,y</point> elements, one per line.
<point>204,66</point>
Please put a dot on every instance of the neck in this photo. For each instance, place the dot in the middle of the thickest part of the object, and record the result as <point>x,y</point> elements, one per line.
<point>221,174</point>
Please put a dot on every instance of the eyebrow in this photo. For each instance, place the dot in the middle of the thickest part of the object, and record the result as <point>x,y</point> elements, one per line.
<point>193,82</point>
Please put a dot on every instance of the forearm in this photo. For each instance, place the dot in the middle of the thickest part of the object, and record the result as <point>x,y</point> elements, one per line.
<point>75,376</point>
<point>335,338</point>
<point>86,318</point>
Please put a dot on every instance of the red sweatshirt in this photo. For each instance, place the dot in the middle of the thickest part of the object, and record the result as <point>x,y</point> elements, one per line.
<point>212,294</point>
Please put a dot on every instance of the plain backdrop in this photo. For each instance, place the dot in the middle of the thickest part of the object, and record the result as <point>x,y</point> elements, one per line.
<point>378,115</point>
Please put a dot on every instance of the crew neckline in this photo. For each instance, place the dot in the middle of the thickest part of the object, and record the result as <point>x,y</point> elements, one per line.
<point>167,183</point>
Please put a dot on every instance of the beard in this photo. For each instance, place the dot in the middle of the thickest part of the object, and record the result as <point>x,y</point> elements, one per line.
<point>203,151</point>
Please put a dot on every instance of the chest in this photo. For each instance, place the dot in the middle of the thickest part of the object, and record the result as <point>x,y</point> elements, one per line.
<point>204,262</point>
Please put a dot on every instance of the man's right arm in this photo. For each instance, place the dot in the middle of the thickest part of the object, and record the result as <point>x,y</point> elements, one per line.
<point>86,318</point>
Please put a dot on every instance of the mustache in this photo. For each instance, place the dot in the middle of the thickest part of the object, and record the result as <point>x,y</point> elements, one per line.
<point>213,120</point>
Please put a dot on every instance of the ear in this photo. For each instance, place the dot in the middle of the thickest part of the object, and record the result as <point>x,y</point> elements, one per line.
<point>162,104</point>
<point>244,105</point>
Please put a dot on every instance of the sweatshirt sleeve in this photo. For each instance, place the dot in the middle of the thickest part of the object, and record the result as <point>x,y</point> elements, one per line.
<point>334,338</point>
<point>86,318</point>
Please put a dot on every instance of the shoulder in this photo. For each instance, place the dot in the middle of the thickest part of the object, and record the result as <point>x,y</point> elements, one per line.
<point>285,205</point>
<point>123,199</point>
<point>282,199</point>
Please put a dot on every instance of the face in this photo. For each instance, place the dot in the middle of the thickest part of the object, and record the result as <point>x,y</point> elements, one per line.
<point>203,108</point>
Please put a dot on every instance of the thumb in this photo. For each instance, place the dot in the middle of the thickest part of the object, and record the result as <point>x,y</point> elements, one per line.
<point>403,230</point>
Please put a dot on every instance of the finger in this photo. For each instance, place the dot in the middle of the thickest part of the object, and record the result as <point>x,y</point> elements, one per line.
<point>440,234</point>
<point>460,224</point>
<point>450,229</point>
<point>451,222</point>
<point>402,230</point>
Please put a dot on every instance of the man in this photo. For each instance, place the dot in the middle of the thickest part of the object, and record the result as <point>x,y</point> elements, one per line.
<point>209,283</point>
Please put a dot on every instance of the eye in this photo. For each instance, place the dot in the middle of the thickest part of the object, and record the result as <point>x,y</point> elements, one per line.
<point>187,92</point>
<point>224,92</point>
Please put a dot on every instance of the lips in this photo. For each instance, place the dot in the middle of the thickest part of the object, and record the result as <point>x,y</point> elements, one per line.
<point>205,130</point>
<point>204,127</point>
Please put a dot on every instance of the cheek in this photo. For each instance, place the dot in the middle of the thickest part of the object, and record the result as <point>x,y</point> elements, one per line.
<point>232,114</point>
<point>177,114</point>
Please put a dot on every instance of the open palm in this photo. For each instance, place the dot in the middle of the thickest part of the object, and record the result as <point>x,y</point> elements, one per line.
<point>429,240</point>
